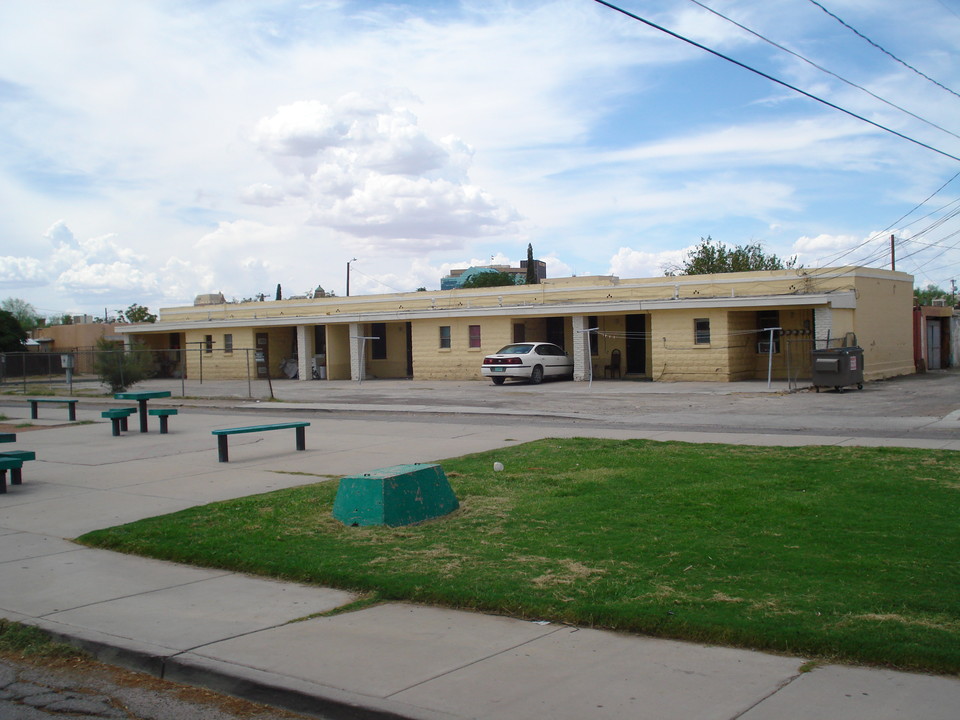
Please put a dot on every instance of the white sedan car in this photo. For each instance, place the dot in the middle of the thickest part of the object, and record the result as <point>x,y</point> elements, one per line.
<point>531,361</point>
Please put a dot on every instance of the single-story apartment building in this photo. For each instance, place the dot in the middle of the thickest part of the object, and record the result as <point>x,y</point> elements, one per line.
<point>723,327</point>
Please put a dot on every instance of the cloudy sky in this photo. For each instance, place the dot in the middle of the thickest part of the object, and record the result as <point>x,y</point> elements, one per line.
<point>154,150</point>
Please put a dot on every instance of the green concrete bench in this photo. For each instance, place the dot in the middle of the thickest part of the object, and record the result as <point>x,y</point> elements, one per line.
<point>71,406</point>
<point>163,414</point>
<point>16,477</point>
<point>223,434</point>
<point>118,418</point>
<point>14,466</point>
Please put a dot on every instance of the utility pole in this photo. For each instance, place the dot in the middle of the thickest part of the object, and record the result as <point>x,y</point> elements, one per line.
<point>348,275</point>
<point>893,256</point>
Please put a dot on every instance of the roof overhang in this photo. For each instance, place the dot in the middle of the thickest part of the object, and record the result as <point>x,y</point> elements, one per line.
<point>844,299</point>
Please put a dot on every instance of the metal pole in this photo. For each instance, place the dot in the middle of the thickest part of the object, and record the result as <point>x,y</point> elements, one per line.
<point>770,357</point>
<point>348,275</point>
<point>249,383</point>
<point>363,354</point>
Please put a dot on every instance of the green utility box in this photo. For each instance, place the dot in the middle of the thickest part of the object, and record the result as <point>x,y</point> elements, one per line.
<point>397,495</point>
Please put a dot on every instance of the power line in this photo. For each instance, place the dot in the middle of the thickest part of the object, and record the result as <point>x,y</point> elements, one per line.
<point>773,79</point>
<point>882,49</point>
<point>822,69</point>
<point>948,8</point>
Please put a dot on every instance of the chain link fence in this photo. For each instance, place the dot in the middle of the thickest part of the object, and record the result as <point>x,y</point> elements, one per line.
<point>182,371</point>
<point>800,346</point>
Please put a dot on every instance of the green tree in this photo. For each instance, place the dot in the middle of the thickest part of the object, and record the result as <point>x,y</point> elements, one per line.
<point>136,314</point>
<point>927,295</point>
<point>12,334</point>
<point>25,313</point>
<point>531,270</point>
<point>489,279</point>
<point>710,257</point>
<point>119,368</point>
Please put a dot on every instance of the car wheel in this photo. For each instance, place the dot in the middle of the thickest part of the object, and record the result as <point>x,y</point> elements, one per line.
<point>536,375</point>
<point>498,381</point>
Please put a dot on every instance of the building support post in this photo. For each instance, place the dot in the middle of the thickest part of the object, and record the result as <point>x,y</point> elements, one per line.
<point>582,366</point>
<point>822,324</point>
<point>305,352</point>
<point>356,352</point>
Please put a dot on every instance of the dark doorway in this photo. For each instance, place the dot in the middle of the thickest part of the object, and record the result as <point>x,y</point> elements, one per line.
<point>555,331</point>
<point>636,344</point>
<point>262,356</point>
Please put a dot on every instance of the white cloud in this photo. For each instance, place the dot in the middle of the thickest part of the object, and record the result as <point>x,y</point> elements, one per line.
<point>365,168</point>
<point>117,278</point>
<point>825,243</point>
<point>630,263</point>
<point>22,272</point>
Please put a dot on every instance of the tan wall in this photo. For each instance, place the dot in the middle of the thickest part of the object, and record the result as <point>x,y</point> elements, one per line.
<point>796,342</point>
<point>459,362</point>
<point>219,364</point>
<point>610,338</point>
<point>395,364</point>
<point>338,352</point>
<point>884,327</point>
<point>675,355</point>
<point>743,345</point>
<point>70,337</point>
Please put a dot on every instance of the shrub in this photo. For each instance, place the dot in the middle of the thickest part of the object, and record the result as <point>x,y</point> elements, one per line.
<point>120,368</point>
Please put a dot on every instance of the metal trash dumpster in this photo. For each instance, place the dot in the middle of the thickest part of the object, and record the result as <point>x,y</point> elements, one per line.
<point>837,368</point>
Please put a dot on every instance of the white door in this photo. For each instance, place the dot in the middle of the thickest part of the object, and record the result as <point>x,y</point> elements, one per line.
<point>933,344</point>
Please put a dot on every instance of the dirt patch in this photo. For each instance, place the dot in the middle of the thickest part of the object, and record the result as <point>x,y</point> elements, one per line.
<point>17,427</point>
<point>138,694</point>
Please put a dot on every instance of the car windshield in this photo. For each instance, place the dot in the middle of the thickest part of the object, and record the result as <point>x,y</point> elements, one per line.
<point>515,350</point>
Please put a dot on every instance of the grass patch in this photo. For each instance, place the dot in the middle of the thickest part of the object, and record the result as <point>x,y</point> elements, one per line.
<point>29,642</point>
<point>834,553</point>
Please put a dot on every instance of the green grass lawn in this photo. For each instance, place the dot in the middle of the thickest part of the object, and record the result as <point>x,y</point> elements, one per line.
<point>839,553</point>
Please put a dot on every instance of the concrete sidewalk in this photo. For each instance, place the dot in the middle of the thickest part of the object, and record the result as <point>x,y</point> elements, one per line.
<point>258,638</point>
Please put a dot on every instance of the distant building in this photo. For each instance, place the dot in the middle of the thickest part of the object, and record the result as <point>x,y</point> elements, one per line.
<point>209,299</point>
<point>456,278</point>
<point>76,336</point>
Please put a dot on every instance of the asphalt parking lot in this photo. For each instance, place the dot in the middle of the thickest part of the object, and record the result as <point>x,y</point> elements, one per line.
<point>922,407</point>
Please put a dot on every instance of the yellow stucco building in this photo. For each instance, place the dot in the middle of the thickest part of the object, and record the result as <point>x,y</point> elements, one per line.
<point>699,327</point>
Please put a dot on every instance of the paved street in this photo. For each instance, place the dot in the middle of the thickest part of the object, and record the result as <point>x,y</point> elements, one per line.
<point>78,688</point>
<point>920,407</point>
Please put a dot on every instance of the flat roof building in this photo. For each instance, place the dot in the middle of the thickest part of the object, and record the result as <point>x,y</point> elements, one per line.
<point>724,327</point>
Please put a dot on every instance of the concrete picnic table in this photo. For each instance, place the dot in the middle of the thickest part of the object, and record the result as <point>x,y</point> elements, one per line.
<point>142,398</point>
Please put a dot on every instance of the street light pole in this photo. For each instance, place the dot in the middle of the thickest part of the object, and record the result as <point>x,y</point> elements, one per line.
<point>348,275</point>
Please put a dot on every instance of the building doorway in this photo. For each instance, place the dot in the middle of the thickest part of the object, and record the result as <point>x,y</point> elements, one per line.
<point>636,345</point>
<point>262,355</point>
